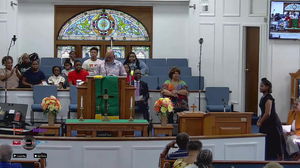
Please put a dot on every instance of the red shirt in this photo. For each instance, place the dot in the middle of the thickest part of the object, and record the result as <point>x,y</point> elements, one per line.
<point>74,75</point>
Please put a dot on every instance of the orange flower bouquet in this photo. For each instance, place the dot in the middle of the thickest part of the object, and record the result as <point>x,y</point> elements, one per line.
<point>163,106</point>
<point>51,105</point>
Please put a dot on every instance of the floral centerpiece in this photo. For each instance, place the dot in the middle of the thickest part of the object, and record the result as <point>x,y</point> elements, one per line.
<point>51,106</point>
<point>163,106</point>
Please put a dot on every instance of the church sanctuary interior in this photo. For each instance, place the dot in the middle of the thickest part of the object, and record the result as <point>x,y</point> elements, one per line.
<point>149,83</point>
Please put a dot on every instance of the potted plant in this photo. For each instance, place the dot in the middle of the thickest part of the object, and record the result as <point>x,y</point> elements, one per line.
<point>163,106</point>
<point>51,106</point>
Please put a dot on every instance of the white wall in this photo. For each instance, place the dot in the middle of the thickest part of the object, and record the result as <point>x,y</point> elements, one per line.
<point>223,49</point>
<point>170,31</point>
<point>36,28</point>
<point>8,27</point>
<point>176,31</point>
<point>133,153</point>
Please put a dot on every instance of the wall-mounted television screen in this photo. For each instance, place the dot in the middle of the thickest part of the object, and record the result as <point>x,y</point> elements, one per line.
<point>284,20</point>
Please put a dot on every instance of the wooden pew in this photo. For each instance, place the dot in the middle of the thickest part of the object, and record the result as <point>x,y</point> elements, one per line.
<point>252,164</point>
<point>234,163</point>
<point>41,163</point>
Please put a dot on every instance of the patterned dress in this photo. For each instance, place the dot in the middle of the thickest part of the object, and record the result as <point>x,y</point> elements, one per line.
<point>180,102</point>
<point>179,163</point>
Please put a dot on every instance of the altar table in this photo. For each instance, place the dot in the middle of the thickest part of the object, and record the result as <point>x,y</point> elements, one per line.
<point>119,126</point>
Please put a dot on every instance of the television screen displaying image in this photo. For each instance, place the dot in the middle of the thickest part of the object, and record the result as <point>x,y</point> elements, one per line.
<point>284,20</point>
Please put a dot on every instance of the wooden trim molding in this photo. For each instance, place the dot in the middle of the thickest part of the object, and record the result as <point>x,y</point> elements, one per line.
<point>51,138</point>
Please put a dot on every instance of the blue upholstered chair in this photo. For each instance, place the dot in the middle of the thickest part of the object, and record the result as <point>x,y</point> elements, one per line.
<point>217,99</point>
<point>193,82</point>
<point>50,61</point>
<point>158,71</point>
<point>162,79</point>
<point>73,100</point>
<point>156,62</point>
<point>178,62</point>
<point>152,81</point>
<point>184,71</point>
<point>40,92</point>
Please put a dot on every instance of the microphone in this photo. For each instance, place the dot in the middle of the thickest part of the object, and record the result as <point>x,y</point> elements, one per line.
<point>14,39</point>
<point>201,40</point>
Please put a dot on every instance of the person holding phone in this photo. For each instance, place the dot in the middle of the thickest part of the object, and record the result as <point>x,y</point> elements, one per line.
<point>182,140</point>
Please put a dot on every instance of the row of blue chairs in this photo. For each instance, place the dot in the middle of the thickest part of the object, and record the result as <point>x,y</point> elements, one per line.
<point>164,70</point>
<point>180,62</point>
<point>217,98</point>
<point>40,92</point>
<point>156,82</point>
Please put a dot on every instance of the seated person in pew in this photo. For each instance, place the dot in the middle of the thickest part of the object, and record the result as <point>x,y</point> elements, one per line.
<point>24,63</point>
<point>177,90</point>
<point>204,160</point>
<point>292,146</point>
<point>56,79</point>
<point>72,57</point>
<point>193,148</point>
<point>273,165</point>
<point>68,67</point>
<point>110,66</point>
<point>141,95</point>
<point>5,157</point>
<point>9,76</point>
<point>130,77</point>
<point>33,76</point>
<point>134,63</point>
<point>77,74</point>
<point>182,140</point>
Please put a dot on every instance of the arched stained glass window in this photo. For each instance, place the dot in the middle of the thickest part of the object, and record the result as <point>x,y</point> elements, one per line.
<point>103,24</point>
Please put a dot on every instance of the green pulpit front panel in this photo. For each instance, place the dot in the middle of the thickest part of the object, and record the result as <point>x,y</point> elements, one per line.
<point>111,84</point>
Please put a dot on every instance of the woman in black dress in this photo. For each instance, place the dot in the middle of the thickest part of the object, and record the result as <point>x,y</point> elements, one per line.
<point>270,124</point>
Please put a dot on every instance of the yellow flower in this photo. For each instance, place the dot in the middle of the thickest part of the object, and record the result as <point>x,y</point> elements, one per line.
<point>163,109</point>
<point>170,108</point>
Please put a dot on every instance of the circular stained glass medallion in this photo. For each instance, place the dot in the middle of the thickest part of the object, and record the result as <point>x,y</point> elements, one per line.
<point>103,24</point>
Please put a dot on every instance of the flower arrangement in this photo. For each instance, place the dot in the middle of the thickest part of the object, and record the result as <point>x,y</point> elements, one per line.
<point>51,105</point>
<point>163,106</point>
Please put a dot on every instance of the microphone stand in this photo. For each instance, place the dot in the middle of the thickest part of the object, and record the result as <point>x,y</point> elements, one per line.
<point>5,87</point>
<point>5,83</point>
<point>200,55</point>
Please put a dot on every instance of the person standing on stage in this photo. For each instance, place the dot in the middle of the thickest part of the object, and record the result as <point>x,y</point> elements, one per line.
<point>91,64</point>
<point>110,66</point>
<point>270,124</point>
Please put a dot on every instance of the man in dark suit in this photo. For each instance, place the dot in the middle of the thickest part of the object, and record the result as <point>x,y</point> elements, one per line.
<point>141,95</point>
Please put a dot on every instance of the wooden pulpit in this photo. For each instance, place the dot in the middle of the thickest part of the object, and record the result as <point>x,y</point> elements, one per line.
<point>191,123</point>
<point>227,123</point>
<point>87,91</point>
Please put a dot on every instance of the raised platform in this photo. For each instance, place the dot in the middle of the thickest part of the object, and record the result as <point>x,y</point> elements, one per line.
<point>79,152</point>
<point>25,96</point>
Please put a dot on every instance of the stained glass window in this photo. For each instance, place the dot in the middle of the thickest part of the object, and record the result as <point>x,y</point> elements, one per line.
<point>119,51</point>
<point>86,51</point>
<point>102,24</point>
<point>63,51</point>
<point>141,51</point>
